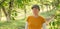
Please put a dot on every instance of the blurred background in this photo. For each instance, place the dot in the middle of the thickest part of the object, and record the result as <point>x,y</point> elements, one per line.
<point>13,13</point>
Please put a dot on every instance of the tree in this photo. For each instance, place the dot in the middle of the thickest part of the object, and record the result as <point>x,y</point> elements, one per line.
<point>6,12</point>
<point>0,14</point>
<point>22,4</point>
<point>3,8</point>
<point>10,8</point>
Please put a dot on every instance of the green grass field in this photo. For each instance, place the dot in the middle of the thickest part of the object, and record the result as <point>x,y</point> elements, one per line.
<point>17,24</point>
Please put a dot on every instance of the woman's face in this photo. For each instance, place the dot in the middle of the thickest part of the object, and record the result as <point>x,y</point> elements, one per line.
<point>35,11</point>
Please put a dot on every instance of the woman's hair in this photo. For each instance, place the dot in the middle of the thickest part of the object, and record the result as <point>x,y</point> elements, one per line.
<point>36,6</point>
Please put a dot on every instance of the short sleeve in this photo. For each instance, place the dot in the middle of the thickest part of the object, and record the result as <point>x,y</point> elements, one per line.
<point>43,20</point>
<point>28,19</point>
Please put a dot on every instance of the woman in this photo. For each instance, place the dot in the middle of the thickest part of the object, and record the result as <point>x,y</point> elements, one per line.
<point>35,21</point>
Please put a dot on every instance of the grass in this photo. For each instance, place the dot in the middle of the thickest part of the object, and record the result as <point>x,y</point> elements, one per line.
<point>16,24</point>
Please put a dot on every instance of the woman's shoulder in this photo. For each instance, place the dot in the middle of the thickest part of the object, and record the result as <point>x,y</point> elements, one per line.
<point>41,17</point>
<point>30,16</point>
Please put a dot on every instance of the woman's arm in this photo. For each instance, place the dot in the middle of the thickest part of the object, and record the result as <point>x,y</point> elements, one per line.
<point>48,20</point>
<point>44,26</point>
<point>26,26</point>
<point>51,18</point>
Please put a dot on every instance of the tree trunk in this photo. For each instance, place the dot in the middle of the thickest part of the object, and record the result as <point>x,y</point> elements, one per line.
<point>0,14</point>
<point>25,10</point>
<point>6,14</point>
<point>4,10</point>
<point>47,8</point>
<point>10,7</point>
<point>42,5</point>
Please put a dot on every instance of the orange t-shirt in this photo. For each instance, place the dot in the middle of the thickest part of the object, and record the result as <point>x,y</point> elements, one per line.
<point>35,23</point>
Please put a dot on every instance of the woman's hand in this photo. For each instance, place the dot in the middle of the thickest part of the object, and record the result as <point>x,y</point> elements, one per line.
<point>48,20</point>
